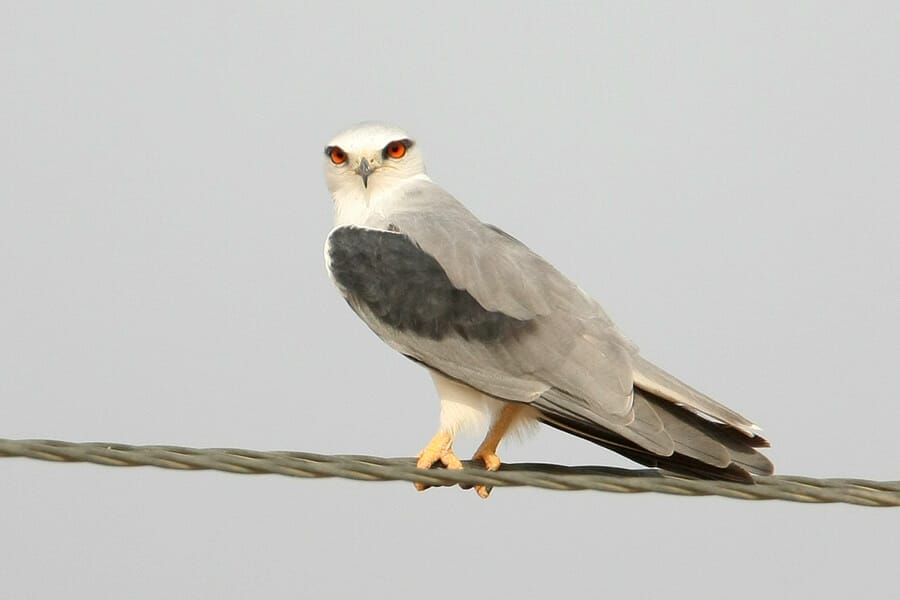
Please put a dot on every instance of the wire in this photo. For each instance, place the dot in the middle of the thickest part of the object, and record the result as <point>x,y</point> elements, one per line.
<point>372,468</point>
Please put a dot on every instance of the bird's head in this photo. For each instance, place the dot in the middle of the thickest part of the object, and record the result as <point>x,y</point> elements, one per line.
<point>370,157</point>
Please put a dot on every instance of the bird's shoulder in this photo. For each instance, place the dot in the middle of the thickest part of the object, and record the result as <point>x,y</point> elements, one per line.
<point>500,271</point>
<point>385,276</point>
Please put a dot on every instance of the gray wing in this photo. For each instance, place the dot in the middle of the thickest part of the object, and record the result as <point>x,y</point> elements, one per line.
<point>470,301</point>
<point>567,341</point>
<point>404,294</point>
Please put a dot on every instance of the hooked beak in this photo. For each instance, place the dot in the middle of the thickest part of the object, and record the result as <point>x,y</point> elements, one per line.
<point>364,171</point>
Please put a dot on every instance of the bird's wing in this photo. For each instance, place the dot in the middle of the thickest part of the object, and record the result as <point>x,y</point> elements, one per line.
<point>474,303</point>
<point>500,272</point>
<point>658,382</point>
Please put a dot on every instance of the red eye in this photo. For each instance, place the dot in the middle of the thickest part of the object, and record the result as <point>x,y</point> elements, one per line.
<point>338,156</point>
<point>396,149</point>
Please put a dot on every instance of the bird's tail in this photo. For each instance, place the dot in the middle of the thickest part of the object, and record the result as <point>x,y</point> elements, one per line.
<point>666,435</point>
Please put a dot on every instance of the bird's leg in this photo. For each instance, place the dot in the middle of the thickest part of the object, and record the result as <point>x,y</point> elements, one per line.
<point>487,451</point>
<point>440,448</point>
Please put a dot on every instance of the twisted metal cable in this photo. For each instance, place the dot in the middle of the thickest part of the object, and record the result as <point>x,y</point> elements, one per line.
<point>371,468</point>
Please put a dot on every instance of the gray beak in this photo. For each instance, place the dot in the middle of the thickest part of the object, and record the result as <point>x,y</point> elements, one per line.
<point>364,171</point>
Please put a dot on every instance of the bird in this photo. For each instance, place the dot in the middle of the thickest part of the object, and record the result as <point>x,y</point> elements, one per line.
<point>508,340</point>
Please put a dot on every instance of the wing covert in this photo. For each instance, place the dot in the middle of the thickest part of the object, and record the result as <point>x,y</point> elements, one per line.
<point>407,289</point>
<point>477,305</point>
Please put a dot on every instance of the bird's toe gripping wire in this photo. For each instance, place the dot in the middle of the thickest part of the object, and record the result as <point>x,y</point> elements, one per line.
<point>439,449</point>
<point>487,451</point>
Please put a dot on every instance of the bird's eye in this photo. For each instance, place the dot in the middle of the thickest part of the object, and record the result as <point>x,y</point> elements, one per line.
<point>396,149</point>
<point>337,155</point>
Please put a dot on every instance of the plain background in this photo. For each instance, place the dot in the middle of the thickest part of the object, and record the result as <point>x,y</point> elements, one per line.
<point>723,177</point>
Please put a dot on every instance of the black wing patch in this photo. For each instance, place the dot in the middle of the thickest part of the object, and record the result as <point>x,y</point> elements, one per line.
<point>406,288</point>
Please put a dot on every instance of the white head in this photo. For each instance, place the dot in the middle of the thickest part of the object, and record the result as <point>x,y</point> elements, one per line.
<point>366,161</point>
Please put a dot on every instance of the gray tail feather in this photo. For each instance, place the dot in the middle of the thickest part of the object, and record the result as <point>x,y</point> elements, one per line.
<point>702,448</point>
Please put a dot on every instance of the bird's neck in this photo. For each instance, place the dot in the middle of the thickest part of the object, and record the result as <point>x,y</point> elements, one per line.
<point>350,207</point>
<point>360,206</point>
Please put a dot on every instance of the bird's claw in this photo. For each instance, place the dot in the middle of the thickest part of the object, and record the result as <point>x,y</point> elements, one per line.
<point>438,450</point>
<point>491,463</point>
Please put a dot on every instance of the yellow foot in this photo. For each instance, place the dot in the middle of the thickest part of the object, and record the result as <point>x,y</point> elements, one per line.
<point>487,451</point>
<point>491,463</point>
<point>440,448</point>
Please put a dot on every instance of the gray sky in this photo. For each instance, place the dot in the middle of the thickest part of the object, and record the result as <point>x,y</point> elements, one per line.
<point>723,178</point>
